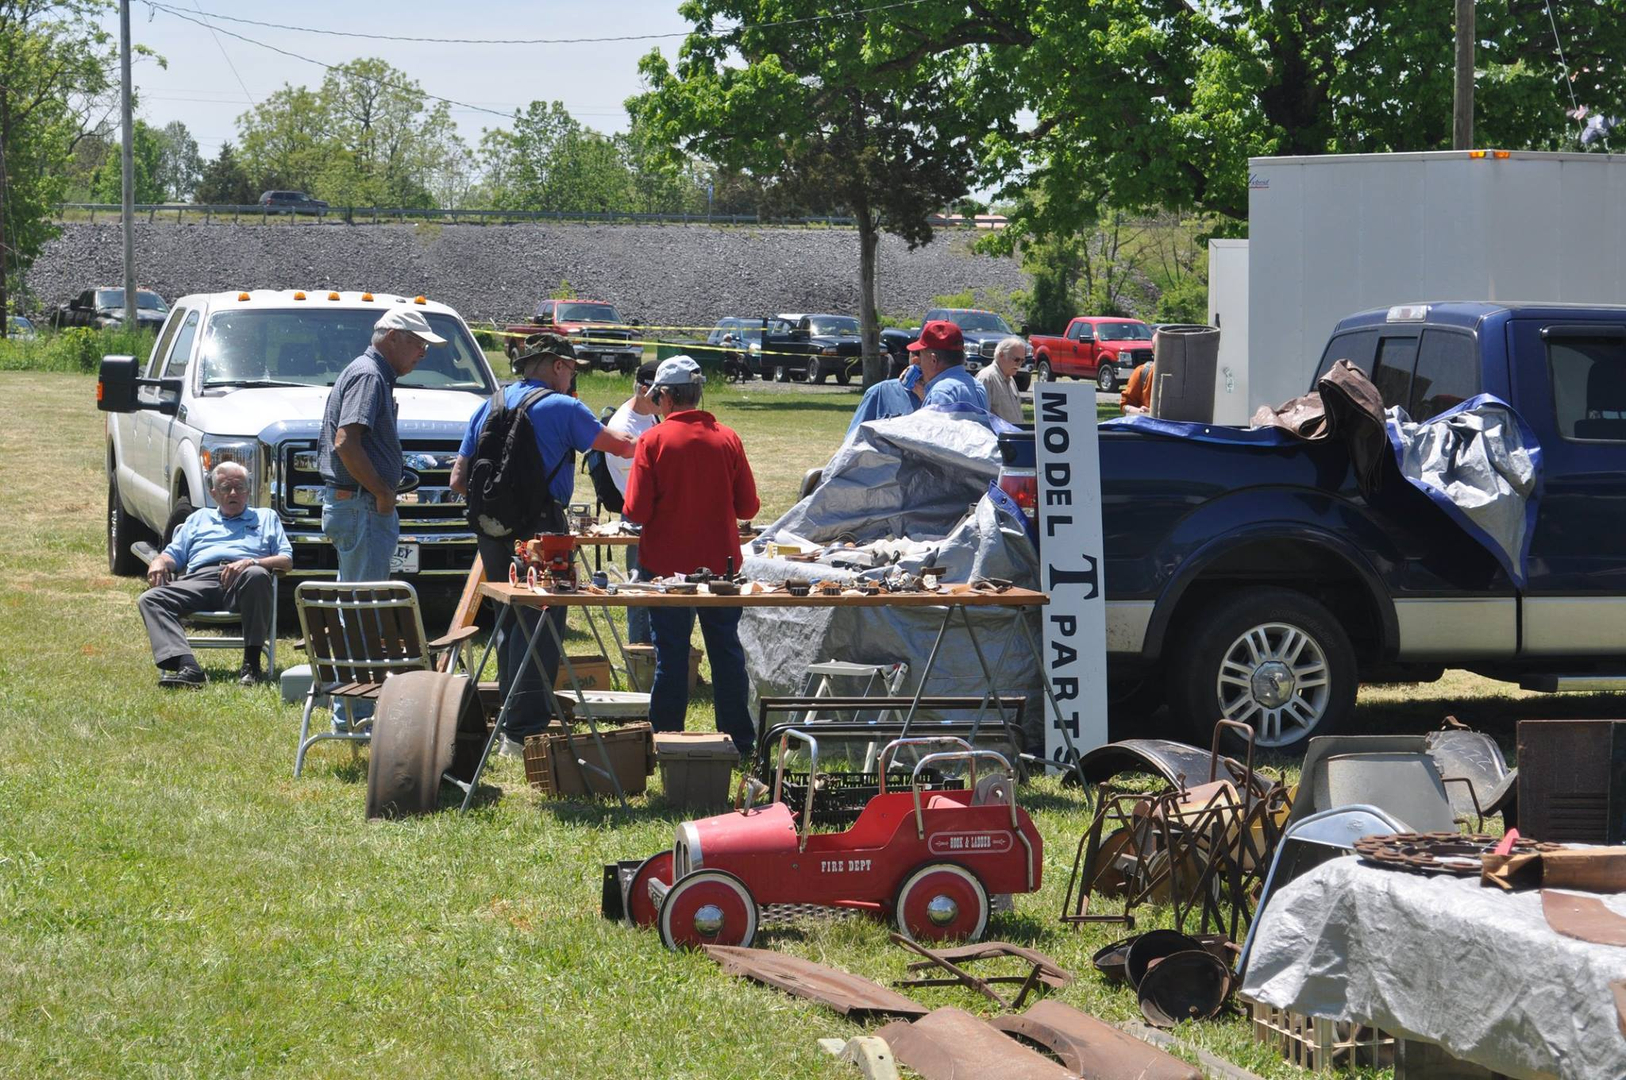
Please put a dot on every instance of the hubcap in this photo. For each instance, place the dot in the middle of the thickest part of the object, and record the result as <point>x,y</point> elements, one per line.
<point>942,910</point>
<point>1275,677</point>
<point>708,921</point>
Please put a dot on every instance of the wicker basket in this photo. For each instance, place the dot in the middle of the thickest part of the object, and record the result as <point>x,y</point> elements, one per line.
<point>1319,1045</point>
<point>550,769</point>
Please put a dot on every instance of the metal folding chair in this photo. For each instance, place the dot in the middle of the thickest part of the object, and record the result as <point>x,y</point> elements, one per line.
<point>358,634</point>
<point>226,619</point>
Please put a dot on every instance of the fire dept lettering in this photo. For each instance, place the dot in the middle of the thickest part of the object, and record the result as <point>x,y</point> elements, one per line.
<point>845,866</point>
<point>969,843</point>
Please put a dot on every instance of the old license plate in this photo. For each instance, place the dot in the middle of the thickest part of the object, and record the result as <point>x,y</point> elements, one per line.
<point>405,559</point>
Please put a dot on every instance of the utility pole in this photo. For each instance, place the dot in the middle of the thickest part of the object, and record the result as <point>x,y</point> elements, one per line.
<point>128,158</point>
<point>1462,99</point>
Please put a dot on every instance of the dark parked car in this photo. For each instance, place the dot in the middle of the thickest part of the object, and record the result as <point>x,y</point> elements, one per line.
<point>738,344</point>
<point>20,329</point>
<point>103,307</point>
<point>818,346</point>
<point>295,202</point>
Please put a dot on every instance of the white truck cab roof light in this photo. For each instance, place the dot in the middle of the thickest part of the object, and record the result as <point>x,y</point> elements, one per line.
<point>1408,313</point>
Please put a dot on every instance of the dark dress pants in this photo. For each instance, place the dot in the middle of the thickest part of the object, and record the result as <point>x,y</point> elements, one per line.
<point>199,590</point>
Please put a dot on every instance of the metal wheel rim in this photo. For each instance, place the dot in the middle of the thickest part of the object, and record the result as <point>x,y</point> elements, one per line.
<point>708,894</point>
<point>1103,378</point>
<point>1276,678</point>
<point>931,883</point>
<point>1044,371</point>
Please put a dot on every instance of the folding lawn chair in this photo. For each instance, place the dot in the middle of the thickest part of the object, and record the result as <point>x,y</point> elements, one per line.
<point>357,634</point>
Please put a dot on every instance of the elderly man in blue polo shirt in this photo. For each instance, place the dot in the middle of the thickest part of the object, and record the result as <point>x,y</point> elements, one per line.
<point>221,558</point>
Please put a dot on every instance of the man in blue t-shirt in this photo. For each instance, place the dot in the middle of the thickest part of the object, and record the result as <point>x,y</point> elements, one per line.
<point>563,427</point>
<point>221,558</point>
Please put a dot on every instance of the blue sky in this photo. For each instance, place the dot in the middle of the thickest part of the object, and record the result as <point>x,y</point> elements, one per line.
<point>200,88</point>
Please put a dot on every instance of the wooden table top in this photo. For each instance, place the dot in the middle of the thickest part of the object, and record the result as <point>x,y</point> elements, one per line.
<point>626,540</point>
<point>962,595</point>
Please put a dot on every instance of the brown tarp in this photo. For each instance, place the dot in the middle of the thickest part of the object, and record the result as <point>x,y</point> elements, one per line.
<point>1344,405</point>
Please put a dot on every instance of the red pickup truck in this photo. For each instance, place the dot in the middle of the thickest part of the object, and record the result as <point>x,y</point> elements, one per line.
<point>595,328</point>
<point>1100,347</point>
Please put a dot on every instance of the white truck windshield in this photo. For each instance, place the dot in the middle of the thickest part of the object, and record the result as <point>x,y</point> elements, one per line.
<point>260,347</point>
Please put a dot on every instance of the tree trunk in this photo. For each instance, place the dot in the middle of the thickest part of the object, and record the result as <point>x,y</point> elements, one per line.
<point>876,367</point>
<point>5,252</point>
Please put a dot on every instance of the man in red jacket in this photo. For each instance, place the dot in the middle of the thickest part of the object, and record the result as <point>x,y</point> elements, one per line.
<point>690,487</point>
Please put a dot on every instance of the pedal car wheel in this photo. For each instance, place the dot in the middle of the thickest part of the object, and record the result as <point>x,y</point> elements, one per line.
<point>708,907</point>
<point>941,901</point>
<point>640,906</point>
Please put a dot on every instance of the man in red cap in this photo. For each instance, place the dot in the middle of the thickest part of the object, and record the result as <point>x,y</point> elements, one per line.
<point>943,377</point>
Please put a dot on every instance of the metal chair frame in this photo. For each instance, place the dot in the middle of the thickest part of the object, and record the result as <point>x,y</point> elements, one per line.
<point>357,634</point>
<point>226,618</point>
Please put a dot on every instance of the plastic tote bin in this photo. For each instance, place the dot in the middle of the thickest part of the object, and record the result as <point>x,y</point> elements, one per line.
<point>695,768</point>
<point>641,665</point>
<point>550,769</point>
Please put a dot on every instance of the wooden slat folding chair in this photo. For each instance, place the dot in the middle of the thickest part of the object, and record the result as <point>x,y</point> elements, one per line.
<point>357,634</point>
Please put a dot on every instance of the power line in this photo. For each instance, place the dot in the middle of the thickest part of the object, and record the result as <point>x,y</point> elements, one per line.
<point>547,41</point>
<point>219,45</point>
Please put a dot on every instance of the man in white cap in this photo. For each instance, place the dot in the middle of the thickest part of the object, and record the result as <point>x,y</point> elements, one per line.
<point>359,454</point>
<point>690,487</point>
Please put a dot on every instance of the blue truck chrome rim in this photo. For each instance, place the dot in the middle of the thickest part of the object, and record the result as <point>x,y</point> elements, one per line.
<point>1275,677</point>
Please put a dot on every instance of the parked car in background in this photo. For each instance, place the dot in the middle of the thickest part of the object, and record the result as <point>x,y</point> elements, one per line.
<point>20,329</point>
<point>737,344</point>
<point>243,376</point>
<point>595,328</point>
<point>104,307</point>
<point>811,348</point>
<point>1100,347</point>
<point>293,202</point>
<point>982,331</point>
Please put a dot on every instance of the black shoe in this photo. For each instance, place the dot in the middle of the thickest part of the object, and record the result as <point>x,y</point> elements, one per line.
<point>250,675</point>
<point>190,677</point>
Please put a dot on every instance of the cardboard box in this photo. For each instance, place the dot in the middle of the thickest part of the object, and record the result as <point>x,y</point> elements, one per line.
<point>552,771</point>
<point>592,672</point>
<point>696,767</point>
<point>641,665</point>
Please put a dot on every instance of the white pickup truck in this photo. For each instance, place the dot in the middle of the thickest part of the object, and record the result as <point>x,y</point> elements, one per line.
<point>243,376</point>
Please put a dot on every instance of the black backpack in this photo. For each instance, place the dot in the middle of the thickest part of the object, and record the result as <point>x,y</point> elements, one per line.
<point>504,496</point>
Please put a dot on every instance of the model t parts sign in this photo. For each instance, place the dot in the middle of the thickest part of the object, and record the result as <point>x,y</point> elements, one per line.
<point>1075,621</point>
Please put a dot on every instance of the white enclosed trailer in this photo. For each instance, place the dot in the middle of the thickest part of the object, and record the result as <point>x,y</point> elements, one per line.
<point>1333,235</point>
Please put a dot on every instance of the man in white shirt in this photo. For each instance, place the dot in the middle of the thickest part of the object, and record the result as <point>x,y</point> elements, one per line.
<point>635,416</point>
<point>998,383</point>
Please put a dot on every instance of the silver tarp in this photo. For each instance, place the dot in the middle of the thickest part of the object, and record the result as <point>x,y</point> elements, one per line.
<point>1445,960</point>
<point>911,491</point>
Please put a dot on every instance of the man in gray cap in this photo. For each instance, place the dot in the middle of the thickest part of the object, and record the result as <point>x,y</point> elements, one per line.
<point>562,427</point>
<point>690,487</point>
<point>359,454</point>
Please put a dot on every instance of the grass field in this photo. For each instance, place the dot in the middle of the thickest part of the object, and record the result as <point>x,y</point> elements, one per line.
<point>174,904</point>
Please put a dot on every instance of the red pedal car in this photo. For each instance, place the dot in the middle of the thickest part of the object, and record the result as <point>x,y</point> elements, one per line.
<point>930,861</point>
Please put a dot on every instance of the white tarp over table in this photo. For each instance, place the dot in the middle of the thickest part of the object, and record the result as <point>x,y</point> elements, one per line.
<point>1445,960</point>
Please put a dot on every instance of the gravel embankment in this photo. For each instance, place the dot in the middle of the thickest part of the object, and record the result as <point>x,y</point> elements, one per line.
<point>668,275</point>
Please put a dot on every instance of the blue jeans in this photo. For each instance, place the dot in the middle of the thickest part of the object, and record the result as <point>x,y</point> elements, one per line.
<point>638,632</point>
<point>365,541</point>
<point>669,700</point>
<point>528,712</point>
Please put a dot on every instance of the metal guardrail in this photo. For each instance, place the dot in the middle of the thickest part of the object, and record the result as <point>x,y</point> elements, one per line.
<point>375,215</point>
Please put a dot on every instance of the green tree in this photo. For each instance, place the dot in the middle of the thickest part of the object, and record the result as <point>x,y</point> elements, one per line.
<point>225,182</point>
<point>56,74</point>
<point>659,182</point>
<point>283,139</point>
<point>826,101</point>
<point>548,161</point>
<point>147,154</point>
<point>180,166</point>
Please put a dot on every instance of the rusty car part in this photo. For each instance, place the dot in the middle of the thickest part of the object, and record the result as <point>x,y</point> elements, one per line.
<point>950,1044</point>
<point>1461,854</point>
<point>1091,1047</point>
<point>1472,758</point>
<point>1584,918</point>
<point>848,994</point>
<point>428,725</point>
<point>1113,960</point>
<point>1152,946</point>
<point>1043,971</point>
<point>1178,763</point>
<point>1201,848</point>
<point>1191,985</point>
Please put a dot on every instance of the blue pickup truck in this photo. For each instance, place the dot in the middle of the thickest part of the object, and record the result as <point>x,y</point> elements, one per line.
<point>1260,584</point>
